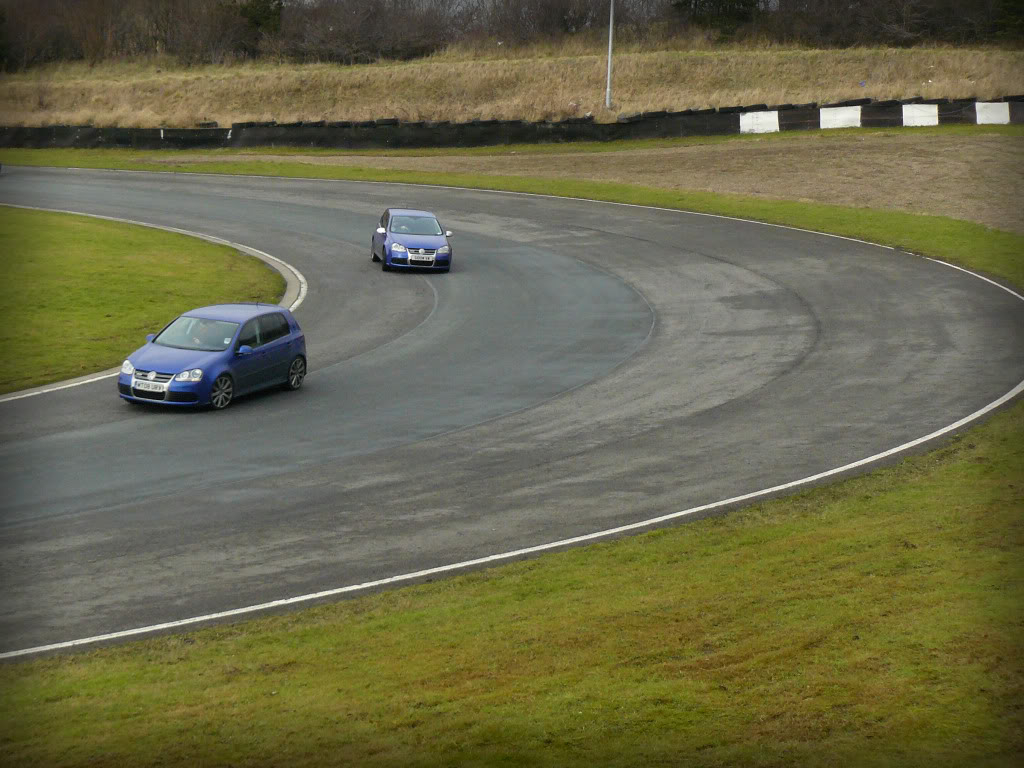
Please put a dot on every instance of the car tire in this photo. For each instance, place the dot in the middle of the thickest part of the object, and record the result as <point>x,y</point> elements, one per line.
<point>296,373</point>
<point>384,262</point>
<point>222,392</point>
<point>373,254</point>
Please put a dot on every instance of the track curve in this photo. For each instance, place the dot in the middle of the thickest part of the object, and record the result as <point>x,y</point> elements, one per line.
<point>584,366</point>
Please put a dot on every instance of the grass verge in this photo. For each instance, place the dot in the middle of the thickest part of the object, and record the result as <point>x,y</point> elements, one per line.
<point>873,622</point>
<point>85,292</point>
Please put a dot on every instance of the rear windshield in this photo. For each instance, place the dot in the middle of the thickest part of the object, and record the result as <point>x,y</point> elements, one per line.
<point>415,225</point>
<point>197,333</point>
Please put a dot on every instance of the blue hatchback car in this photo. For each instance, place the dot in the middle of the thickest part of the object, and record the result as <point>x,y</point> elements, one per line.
<point>211,355</point>
<point>409,238</point>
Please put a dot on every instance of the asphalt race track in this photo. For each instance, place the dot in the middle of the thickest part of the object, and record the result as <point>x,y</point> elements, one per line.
<point>583,366</point>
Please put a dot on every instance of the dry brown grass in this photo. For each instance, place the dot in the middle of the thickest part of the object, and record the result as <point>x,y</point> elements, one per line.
<point>532,85</point>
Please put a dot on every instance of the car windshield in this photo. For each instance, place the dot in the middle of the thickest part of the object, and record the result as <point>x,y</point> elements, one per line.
<point>197,333</point>
<point>415,225</point>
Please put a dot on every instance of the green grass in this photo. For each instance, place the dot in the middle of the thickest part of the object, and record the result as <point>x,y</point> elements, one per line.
<point>873,622</point>
<point>81,293</point>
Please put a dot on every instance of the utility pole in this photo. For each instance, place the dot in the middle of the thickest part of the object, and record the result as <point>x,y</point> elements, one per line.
<point>611,26</point>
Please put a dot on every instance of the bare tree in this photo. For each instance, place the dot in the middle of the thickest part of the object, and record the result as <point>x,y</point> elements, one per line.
<point>366,30</point>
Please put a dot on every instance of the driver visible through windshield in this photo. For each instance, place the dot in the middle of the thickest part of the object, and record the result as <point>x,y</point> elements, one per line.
<point>197,333</point>
<point>415,225</point>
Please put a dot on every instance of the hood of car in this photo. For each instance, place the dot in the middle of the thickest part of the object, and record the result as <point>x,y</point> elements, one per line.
<point>156,357</point>
<point>420,241</point>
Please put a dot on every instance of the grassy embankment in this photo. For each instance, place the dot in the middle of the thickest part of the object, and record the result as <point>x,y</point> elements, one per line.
<point>80,293</point>
<point>534,83</point>
<point>874,622</point>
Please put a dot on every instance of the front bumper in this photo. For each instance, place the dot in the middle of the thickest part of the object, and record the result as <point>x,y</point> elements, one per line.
<point>176,392</point>
<point>403,261</point>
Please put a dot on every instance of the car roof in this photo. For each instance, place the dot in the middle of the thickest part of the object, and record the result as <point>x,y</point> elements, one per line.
<point>410,212</point>
<point>236,313</point>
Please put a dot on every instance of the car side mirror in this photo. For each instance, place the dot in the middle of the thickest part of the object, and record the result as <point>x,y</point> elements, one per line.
<point>244,350</point>
<point>447,233</point>
<point>150,337</point>
<point>381,231</point>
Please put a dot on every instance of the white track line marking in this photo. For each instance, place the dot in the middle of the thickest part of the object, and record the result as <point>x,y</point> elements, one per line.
<point>980,277</point>
<point>274,261</point>
<point>490,559</point>
<point>69,385</point>
<point>466,189</point>
<point>503,556</point>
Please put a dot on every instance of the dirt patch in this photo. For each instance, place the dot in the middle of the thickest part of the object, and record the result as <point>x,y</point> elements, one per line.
<point>978,178</point>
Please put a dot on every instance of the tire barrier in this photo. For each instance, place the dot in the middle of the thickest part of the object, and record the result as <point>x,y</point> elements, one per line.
<point>391,133</point>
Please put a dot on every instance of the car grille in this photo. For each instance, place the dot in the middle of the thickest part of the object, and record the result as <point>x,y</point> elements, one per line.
<point>421,255</point>
<point>160,377</point>
<point>144,395</point>
<point>172,396</point>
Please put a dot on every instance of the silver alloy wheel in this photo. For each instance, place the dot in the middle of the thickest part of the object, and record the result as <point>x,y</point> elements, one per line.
<point>296,373</point>
<point>222,393</point>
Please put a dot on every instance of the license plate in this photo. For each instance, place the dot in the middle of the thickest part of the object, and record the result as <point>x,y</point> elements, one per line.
<point>149,386</point>
<point>422,259</point>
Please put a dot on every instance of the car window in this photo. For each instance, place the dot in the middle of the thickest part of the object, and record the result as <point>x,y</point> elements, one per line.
<point>273,327</point>
<point>250,334</point>
<point>384,219</point>
<point>415,225</point>
<point>197,333</point>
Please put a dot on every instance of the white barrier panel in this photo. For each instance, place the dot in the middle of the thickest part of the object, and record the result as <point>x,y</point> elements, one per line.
<point>920,114</point>
<point>759,122</point>
<point>993,112</point>
<point>840,117</point>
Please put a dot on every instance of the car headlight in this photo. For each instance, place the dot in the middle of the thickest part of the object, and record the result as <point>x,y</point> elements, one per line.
<point>397,248</point>
<point>127,368</point>
<point>196,374</point>
<point>445,249</point>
